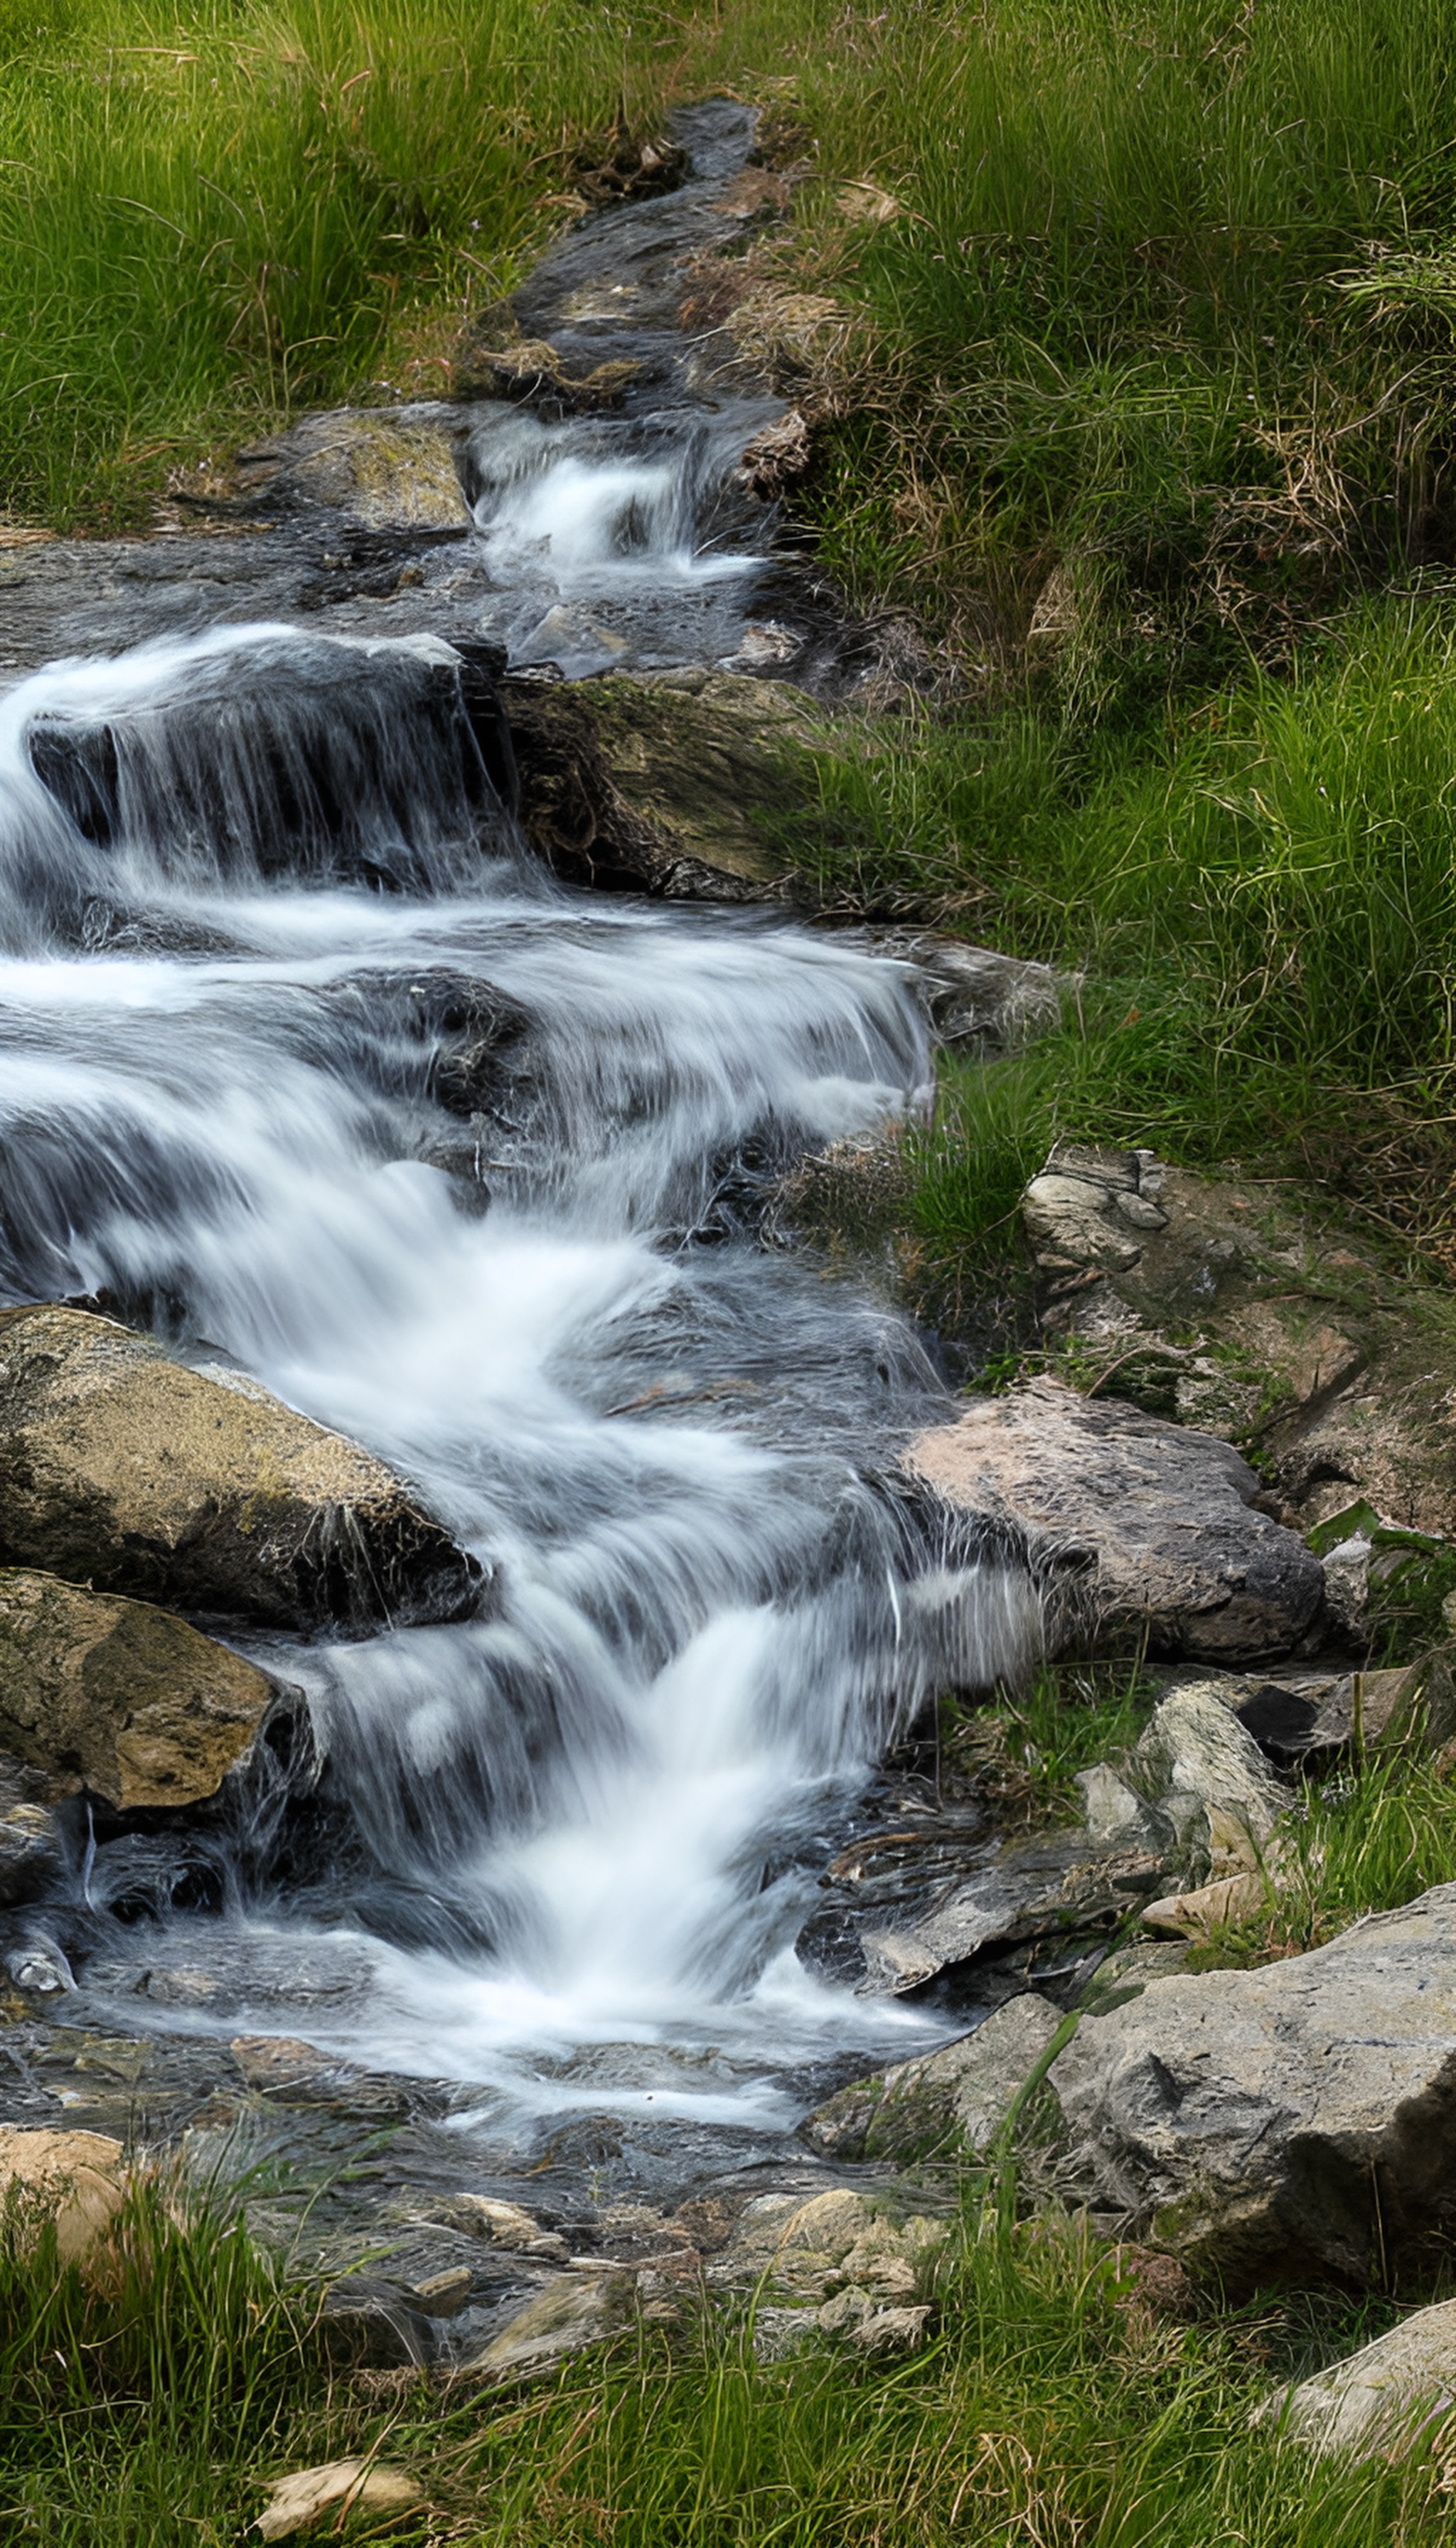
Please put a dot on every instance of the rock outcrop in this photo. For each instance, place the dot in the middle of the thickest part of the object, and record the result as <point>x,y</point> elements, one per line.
<point>1139,1522</point>
<point>1257,1313</point>
<point>111,1695</point>
<point>955,2099</point>
<point>1291,2122</point>
<point>125,1470</point>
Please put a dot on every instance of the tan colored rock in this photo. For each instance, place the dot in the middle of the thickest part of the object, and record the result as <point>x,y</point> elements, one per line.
<point>1160,1521</point>
<point>1381,2400</point>
<point>569,2312</point>
<point>101,1693</point>
<point>122,1469</point>
<point>1196,1915</point>
<point>340,2487</point>
<point>836,2239</point>
<point>76,2176</point>
<point>508,2225</point>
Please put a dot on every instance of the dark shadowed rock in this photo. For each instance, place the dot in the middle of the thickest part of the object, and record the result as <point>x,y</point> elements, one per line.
<point>1295,2122</point>
<point>101,1693</point>
<point>1160,1521</point>
<point>125,1470</point>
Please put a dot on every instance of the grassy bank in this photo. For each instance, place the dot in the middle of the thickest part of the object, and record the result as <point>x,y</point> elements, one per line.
<point>1259,900</point>
<point>1055,2404</point>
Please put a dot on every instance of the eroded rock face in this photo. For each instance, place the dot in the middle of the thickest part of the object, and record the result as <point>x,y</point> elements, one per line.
<point>1254,1311</point>
<point>122,1469</point>
<point>1159,1520</point>
<point>1291,2122</point>
<point>100,1693</point>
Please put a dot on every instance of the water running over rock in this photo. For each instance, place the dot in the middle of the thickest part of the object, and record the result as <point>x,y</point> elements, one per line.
<point>308,1067</point>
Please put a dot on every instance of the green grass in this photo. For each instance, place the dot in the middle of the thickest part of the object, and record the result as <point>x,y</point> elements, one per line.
<point>1052,2404</point>
<point>212,214</point>
<point>1259,901</point>
<point>1024,1750</point>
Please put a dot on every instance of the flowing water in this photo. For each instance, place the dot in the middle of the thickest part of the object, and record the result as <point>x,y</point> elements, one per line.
<point>307,1064</point>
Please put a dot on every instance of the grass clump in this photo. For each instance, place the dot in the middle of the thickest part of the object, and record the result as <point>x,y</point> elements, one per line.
<point>1023,1749</point>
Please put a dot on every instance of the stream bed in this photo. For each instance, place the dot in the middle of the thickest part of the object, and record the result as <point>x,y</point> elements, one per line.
<point>309,1066</point>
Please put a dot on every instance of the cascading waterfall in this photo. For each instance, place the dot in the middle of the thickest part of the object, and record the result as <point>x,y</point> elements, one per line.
<point>307,1064</point>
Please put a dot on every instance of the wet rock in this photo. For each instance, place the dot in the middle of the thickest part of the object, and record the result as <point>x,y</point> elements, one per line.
<point>122,1469</point>
<point>108,1694</point>
<point>73,2177</point>
<point>381,469</point>
<point>956,2098</point>
<point>32,1849</point>
<point>971,995</point>
<point>370,2326</point>
<point>661,786</point>
<point>1144,1523</point>
<point>1294,2121</point>
<point>509,2225</point>
<point>571,2312</point>
<point>1381,2400</point>
<point>1053,1887</point>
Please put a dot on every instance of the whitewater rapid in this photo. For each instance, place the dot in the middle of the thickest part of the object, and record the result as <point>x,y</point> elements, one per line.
<point>570,1842</point>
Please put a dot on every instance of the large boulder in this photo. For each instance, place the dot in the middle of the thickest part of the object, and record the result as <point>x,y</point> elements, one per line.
<point>1148,1525</point>
<point>108,1695</point>
<point>1295,2122</point>
<point>125,1470</point>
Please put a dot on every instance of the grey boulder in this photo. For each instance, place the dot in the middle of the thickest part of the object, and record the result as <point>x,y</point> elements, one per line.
<point>1137,1522</point>
<point>1292,2122</point>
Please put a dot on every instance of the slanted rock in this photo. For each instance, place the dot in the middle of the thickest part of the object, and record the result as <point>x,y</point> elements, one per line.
<point>1381,2400</point>
<point>567,2313</point>
<point>122,1469</point>
<point>1053,1886</point>
<point>1294,2121</point>
<point>955,2098</point>
<point>75,2178</point>
<point>111,1695</point>
<point>1139,1523</point>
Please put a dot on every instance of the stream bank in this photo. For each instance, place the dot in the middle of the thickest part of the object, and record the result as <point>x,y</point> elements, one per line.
<point>686,1493</point>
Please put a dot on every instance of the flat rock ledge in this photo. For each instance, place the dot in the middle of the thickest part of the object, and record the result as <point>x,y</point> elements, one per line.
<point>120,1700</point>
<point>1136,1521</point>
<point>1294,2123</point>
<point>129,1472</point>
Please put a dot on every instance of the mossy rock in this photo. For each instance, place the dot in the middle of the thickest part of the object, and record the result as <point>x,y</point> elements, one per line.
<point>668,786</point>
<point>126,1471</point>
<point>110,1695</point>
